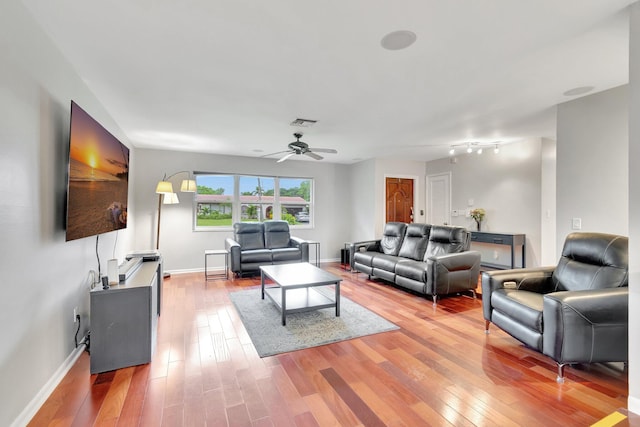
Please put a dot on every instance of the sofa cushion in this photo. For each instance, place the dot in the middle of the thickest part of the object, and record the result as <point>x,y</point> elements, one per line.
<point>592,261</point>
<point>364,258</point>
<point>416,270</point>
<point>256,255</point>
<point>392,237</point>
<point>249,235</point>
<point>415,241</point>
<point>285,254</point>
<point>276,234</point>
<point>385,262</point>
<point>524,306</point>
<point>446,240</point>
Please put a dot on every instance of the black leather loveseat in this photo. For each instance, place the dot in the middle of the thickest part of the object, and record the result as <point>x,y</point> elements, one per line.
<point>576,312</point>
<point>429,259</point>
<point>270,242</point>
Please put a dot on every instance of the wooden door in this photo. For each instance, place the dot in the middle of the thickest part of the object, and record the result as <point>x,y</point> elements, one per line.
<point>399,199</point>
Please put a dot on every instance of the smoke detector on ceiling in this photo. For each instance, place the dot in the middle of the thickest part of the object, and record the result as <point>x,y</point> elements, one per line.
<point>303,123</point>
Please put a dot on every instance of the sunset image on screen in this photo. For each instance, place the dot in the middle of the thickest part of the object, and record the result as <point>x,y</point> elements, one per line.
<point>98,178</point>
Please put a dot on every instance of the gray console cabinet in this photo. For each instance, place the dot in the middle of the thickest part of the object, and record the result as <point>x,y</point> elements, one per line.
<point>124,320</point>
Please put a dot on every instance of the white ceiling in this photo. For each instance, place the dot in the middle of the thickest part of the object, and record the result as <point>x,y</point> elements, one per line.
<point>228,76</point>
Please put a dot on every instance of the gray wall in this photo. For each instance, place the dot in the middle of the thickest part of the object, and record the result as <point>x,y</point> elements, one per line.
<point>634,210</point>
<point>592,171</point>
<point>508,186</point>
<point>43,277</point>
<point>363,201</point>
<point>548,212</point>
<point>183,249</point>
<point>594,182</point>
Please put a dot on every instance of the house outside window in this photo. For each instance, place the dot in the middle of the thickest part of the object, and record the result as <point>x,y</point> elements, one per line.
<point>222,200</point>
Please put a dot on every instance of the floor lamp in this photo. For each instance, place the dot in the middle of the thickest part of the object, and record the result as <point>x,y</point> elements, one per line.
<point>166,196</point>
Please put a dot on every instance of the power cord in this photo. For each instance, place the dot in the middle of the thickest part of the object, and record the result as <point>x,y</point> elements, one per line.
<point>75,339</point>
<point>87,339</point>
<point>98,255</point>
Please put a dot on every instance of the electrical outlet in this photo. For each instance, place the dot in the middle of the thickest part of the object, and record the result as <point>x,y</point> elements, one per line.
<point>75,314</point>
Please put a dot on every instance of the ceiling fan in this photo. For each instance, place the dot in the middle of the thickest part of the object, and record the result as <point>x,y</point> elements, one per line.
<point>298,147</point>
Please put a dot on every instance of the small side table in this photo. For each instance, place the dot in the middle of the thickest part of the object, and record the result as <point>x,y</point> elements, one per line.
<point>347,255</point>
<point>212,276</point>
<point>317,245</point>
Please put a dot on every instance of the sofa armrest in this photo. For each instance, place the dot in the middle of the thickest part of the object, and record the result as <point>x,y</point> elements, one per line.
<point>586,326</point>
<point>234,254</point>
<point>526,279</point>
<point>364,245</point>
<point>302,244</point>
<point>455,272</point>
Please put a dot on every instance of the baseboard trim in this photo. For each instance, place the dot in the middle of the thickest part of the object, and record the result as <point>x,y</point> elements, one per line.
<point>38,400</point>
<point>633,405</point>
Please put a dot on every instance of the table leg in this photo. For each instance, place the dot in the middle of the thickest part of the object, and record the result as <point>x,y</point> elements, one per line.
<point>284,306</point>
<point>262,282</point>
<point>338,299</point>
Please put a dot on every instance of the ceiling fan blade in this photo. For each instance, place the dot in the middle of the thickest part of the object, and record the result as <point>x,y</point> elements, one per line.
<point>277,152</point>
<point>313,155</point>
<point>324,150</point>
<point>286,157</point>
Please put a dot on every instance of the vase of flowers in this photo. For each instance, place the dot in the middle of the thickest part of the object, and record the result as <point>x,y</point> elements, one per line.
<point>478,215</point>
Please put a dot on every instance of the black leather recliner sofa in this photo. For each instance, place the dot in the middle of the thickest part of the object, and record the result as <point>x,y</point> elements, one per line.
<point>270,242</point>
<point>576,312</point>
<point>429,259</point>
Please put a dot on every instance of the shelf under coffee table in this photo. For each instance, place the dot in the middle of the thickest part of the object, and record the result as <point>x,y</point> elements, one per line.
<point>293,288</point>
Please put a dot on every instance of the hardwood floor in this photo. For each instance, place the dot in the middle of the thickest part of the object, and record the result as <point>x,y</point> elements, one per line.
<point>438,369</point>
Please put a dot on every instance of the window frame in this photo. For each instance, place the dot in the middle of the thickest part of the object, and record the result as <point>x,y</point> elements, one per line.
<point>237,203</point>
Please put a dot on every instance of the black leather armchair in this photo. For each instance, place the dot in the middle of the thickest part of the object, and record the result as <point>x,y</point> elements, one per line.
<point>255,244</point>
<point>576,312</point>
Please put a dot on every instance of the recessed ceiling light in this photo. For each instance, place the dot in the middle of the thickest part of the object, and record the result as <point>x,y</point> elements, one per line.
<point>578,91</point>
<point>398,40</point>
<point>257,150</point>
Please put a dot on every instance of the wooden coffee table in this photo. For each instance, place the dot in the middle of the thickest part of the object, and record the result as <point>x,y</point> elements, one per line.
<point>293,288</point>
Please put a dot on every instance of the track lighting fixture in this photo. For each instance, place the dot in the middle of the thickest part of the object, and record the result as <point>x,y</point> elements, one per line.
<point>478,147</point>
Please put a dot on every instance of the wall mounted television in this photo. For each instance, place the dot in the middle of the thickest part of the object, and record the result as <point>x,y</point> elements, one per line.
<point>98,178</point>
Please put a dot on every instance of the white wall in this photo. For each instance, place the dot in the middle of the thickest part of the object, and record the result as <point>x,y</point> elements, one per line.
<point>508,186</point>
<point>362,180</point>
<point>548,255</point>
<point>592,166</point>
<point>183,249</point>
<point>43,277</point>
<point>634,210</point>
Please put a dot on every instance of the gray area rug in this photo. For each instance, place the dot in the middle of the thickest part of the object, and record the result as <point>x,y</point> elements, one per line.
<point>263,322</point>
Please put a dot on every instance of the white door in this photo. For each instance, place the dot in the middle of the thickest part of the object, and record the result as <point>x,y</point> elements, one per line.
<point>439,199</point>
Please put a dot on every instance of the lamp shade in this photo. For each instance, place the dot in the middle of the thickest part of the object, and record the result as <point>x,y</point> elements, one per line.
<point>164,187</point>
<point>170,199</point>
<point>188,186</point>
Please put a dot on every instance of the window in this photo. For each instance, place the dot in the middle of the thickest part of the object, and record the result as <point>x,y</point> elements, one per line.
<point>295,200</point>
<point>214,200</point>
<point>222,200</point>
<point>256,198</point>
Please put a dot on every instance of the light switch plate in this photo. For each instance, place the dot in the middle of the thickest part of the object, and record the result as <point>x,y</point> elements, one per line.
<point>576,224</point>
